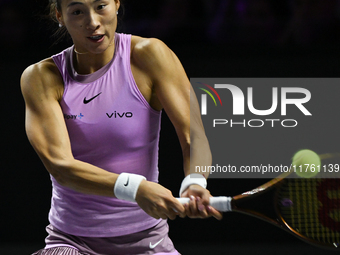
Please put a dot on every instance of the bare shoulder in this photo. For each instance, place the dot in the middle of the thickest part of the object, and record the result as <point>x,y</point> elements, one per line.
<point>42,77</point>
<point>147,45</point>
<point>41,70</point>
<point>149,51</point>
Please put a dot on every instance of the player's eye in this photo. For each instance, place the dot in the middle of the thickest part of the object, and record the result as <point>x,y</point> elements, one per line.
<point>77,12</point>
<point>100,7</point>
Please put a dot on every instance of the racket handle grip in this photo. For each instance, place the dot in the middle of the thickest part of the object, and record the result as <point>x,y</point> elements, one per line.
<point>222,204</point>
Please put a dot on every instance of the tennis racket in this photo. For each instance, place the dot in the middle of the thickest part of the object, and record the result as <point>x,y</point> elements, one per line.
<point>307,208</point>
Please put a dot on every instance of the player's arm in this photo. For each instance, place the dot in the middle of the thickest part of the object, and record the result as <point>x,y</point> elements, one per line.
<point>42,88</point>
<point>173,89</point>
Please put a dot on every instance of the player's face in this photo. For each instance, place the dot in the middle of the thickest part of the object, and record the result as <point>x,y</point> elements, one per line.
<point>91,23</point>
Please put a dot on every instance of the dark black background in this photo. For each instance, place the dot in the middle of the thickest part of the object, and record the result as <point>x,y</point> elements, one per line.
<point>212,39</point>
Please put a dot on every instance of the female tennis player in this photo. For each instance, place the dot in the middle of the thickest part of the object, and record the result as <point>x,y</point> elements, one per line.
<point>93,116</point>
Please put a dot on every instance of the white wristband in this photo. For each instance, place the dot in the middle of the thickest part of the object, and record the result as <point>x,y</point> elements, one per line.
<point>192,179</point>
<point>126,186</point>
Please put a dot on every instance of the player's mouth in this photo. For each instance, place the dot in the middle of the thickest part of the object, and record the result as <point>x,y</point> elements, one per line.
<point>96,38</point>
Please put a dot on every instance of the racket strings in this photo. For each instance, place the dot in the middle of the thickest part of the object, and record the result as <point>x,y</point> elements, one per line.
<point>312,208</point>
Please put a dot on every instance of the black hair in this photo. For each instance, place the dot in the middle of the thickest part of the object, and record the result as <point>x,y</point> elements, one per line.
<point>61,32</point>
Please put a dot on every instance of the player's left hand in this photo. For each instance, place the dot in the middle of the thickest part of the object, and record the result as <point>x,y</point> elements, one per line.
<point>199,207</point>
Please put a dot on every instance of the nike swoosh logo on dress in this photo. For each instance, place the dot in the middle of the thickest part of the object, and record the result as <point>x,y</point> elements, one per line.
<point>152,246</point>
<point>89,100</point>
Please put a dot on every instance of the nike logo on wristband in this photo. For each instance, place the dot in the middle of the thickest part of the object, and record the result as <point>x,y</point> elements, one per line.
<point>127,182</point>
<point>152,246</point>
<point>86,101</point>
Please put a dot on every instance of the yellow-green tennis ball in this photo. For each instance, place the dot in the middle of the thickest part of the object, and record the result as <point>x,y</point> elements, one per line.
<point>306,163</point>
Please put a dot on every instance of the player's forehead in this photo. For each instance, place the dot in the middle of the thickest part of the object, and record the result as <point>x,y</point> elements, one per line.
<point>73,2</point>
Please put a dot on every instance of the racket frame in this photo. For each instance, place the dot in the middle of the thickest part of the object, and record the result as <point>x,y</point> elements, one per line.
<point>275,185</point>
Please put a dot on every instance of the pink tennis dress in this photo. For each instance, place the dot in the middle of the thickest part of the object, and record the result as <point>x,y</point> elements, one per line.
<point>112,126</point>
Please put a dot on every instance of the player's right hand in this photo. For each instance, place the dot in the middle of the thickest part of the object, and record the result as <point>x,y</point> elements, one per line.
<point>158,201</point>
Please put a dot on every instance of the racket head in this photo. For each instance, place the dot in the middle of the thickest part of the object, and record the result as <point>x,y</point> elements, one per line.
<point>314,202</point>
<point>310,208</point>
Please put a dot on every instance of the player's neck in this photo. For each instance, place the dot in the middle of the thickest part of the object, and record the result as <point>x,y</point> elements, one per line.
<point>87,63</point>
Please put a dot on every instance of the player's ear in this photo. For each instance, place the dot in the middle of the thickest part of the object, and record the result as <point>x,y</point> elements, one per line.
<point>117,4</point>
<point>59,16</point>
